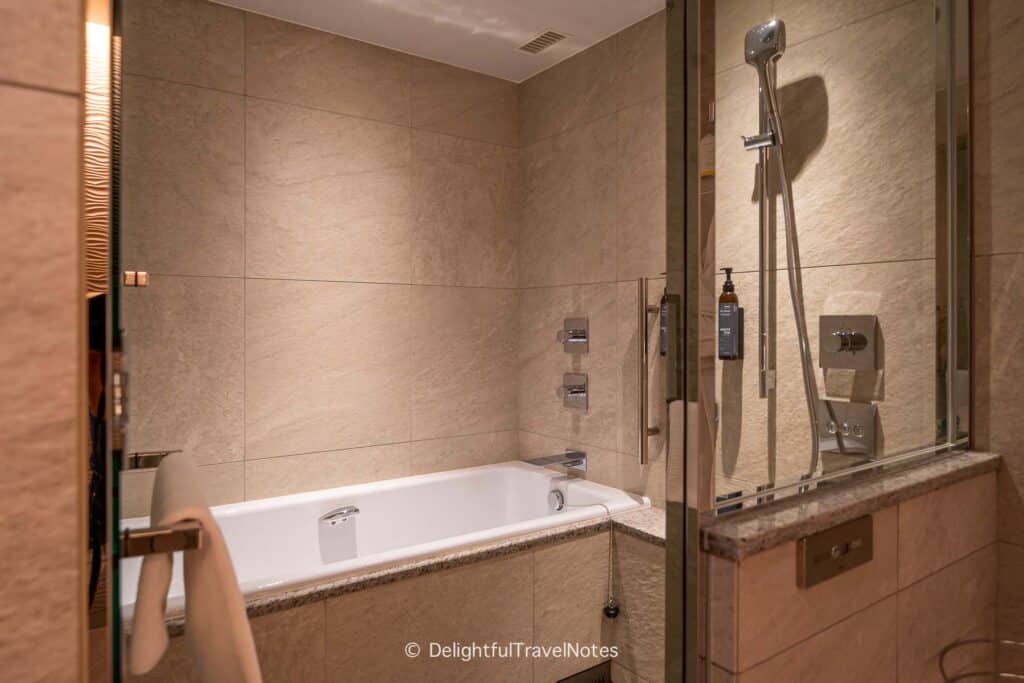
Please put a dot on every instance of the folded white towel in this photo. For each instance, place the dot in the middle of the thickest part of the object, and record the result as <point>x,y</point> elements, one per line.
<point>217,632</point>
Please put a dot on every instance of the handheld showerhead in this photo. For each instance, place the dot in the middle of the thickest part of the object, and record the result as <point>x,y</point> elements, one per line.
<point>762,47</point>
<point>765,43</point>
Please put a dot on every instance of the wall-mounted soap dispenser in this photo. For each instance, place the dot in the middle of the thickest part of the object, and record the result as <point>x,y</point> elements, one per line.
<point>730,321</point>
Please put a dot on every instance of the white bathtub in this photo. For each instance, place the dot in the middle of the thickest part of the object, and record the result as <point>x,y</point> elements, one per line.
<point>275,542</point>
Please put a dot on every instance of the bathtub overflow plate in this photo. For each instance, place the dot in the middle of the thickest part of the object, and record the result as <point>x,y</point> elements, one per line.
<point>556,500</point>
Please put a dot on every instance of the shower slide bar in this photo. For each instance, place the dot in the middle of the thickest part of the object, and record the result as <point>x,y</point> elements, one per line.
<point>763,46</point>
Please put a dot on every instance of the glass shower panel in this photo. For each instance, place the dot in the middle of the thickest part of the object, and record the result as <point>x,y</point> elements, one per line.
<point>859,96</point>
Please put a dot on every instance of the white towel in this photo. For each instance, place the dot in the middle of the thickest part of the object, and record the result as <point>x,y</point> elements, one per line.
<point>217,633</point>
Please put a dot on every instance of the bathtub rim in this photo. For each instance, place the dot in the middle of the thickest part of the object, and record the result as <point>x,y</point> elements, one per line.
<point>488,543</point>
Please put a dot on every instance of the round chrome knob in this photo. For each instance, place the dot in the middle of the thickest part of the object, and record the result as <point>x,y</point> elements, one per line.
<point>844,340</point>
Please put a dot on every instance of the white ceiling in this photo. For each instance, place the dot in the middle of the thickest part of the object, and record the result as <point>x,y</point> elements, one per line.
<point>480,35</point>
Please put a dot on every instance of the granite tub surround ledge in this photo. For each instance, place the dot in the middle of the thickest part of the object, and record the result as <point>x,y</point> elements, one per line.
<point>742,534</point>
<point>646,524</point>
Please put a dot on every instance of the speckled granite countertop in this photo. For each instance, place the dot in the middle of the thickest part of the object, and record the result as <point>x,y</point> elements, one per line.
<point>741,534</point>
<point>647,524</point>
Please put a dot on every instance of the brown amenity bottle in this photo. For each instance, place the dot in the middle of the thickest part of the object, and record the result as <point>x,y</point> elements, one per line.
<point>730,321</point>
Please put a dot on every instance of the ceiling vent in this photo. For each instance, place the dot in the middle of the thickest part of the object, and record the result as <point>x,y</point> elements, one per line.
<point>542,42</point>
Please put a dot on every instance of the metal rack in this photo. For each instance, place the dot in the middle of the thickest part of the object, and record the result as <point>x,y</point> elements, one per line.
<point>978,675</point>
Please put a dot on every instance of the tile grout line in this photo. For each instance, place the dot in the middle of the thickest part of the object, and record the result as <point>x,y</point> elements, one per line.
<point>376,445</point>
<point>781,269</point>
<point>7,83</point>
<point>259,98</point>
<point>816,36</point>
<point>589,121</point>
<point>997,253</point>
<point>894,594</point>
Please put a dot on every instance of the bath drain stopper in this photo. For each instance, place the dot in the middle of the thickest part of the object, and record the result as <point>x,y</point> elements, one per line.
<point>611,609</point>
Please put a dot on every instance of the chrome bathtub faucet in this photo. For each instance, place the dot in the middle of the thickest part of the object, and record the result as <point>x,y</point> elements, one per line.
<point>573,460</point>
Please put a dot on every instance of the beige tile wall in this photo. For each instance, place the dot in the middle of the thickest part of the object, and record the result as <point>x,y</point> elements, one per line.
<point>42,622</point>
<point>523,598</point>
<point>860,149</point>
<point>592,130</point>
<point>332,233</point>
<point>998,164</point>
<point>932,582</point>
<point>360,258</point>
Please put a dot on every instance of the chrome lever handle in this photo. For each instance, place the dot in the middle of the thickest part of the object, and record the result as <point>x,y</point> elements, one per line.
<point>844,340</point>
<point>571,337</point>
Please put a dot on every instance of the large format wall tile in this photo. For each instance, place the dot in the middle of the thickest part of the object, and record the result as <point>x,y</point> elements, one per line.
<point>998,345</point>
<point>42,44</point>
<point>185,346</point>
<point>859,649</point>
<point>733,18</point>
<point>456,452</point>
<point>463,377</point>
<point>292,63</point>
<point>904,389</point>
<point>940,527</point>
<point>569,616</point>
<point>863,175</point>
<point>998,148</point>
<point>486,602</point>
<point>640,190</point>
<point>446,99</point>
<point>620,71</point>
<point>568,223</point>
<point>466,211</point>
<point>328,196</point>
<point>569,94</point>
<point>188,41</point>
<point>182,198</point>
<point>807,19</point>
<point>279,476</point>
<point>289,646</point>
<point>639,588</point>
<point>223,483</point>
<point>735,209</point>
<point>1010,605</point>
<point>640,62</point>
<point>542,362</point>
<point>40,302</point>
<point>774,613</point>
<point>953,604</point>
<point>327,366</point>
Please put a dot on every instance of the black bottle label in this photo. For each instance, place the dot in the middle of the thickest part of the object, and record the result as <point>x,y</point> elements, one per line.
<point>730,331</point>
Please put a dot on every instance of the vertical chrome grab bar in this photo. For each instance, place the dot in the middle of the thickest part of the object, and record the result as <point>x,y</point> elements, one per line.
<point>644,431</point>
